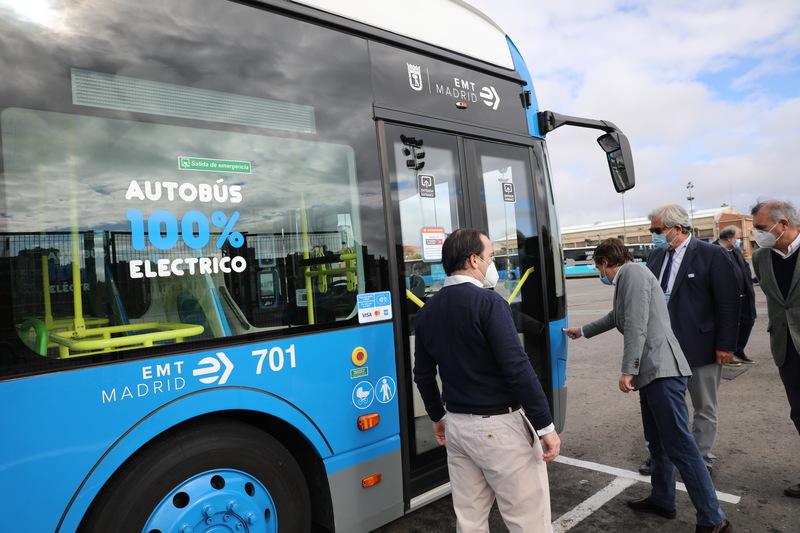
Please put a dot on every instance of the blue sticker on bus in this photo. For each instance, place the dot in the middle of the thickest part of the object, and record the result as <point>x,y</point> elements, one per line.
<point>374,306</point>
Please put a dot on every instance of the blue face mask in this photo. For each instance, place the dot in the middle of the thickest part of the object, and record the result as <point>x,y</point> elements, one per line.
<point>738,243</point>
<point>603,277</point>
<point>661,241</point>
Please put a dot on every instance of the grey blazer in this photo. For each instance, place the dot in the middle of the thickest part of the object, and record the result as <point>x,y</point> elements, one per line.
<point>783,313</point>
<point>650,349</point>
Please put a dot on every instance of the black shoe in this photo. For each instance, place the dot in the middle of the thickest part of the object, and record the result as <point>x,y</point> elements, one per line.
<point>710,470</point>
<point>724,527</point>
<point>793,491</point>
<point>743,358</point>
<point>645,468</point>
<point>646,506</point>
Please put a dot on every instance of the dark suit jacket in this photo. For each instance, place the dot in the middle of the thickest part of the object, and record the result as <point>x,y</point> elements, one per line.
<point>748,280</point>
<point>704,303</point>
<point>747,275</point>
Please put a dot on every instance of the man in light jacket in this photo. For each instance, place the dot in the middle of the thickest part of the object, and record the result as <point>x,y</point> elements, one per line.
<point>654,365</point>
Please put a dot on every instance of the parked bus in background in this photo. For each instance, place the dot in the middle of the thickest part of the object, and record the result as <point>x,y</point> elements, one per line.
<point>578,262</point>
<point>209,213</point>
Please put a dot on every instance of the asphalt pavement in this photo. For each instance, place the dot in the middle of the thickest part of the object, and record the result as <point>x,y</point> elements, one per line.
<point>757,446</point>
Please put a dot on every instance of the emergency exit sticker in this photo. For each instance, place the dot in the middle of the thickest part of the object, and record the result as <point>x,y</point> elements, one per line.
<point>432,241</point>
<point>374,307</point>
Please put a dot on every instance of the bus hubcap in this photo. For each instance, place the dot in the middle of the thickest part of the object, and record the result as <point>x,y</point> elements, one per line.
<point>217,501</point>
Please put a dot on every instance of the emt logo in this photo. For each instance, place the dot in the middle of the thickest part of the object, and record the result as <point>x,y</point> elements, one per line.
<point>210,366</point>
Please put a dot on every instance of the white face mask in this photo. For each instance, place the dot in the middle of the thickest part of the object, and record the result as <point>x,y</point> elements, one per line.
<point>765,239</point>
<point>491,277</point>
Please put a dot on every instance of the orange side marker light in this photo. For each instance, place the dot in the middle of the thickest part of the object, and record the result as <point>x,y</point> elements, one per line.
<point>368,421</point>
<point>369,481</point>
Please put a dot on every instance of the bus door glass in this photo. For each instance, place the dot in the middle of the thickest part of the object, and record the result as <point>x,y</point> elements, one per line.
<point>428,200</point>
<point>505,210</point>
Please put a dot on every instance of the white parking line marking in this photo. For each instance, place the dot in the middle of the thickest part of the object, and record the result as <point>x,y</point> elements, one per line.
<point>571,518</point>
<point>619,472</point>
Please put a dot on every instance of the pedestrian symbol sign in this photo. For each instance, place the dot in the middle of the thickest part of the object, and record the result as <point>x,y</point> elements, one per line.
<point>385,389</point>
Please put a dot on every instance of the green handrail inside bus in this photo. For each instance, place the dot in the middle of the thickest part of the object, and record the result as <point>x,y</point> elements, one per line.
<point>40,330</point>
<point>97,340</point>
<point>348,257</point>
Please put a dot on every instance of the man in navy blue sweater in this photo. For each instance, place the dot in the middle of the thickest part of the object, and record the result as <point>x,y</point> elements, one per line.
<point>492,410</point>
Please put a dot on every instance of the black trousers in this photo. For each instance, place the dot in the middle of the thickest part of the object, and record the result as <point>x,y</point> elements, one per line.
<point>746,321</point>
<point>790,375</point>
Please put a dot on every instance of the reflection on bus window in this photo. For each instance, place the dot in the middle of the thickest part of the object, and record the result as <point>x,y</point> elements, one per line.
<point>139,238</point>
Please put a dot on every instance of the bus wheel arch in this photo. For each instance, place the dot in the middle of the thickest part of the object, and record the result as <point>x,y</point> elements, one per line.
<point>201,474</point>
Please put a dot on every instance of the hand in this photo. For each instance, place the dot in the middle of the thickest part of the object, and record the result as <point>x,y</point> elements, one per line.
<point>438,431</point>
<point>625,383</point>
<point>573,332</point>
<point>724,357</point>
<point>551,444</point>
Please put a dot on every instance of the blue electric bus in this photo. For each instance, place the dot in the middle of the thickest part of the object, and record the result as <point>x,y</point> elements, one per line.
<point>208,214</point>
<point>578,261</point>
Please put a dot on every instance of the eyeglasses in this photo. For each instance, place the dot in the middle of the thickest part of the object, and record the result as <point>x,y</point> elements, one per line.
<point>657,231</point>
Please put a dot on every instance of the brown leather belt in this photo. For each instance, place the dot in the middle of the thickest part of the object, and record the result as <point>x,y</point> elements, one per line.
<point>501,411</point>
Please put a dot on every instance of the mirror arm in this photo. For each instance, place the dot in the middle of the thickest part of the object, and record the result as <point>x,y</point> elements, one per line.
<point>550,120</point>
<point>613,142</point>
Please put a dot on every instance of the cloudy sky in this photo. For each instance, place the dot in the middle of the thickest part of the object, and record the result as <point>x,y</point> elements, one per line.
<point>707,92</point>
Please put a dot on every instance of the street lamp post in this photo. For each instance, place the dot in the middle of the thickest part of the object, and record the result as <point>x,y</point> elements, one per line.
<point>689,186</point>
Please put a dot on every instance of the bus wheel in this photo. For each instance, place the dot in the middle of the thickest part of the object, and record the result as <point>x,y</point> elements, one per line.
<point>226,476</point>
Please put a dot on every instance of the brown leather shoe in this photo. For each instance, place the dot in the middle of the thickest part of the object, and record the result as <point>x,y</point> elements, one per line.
<point>646,506</point>
<point>724,527</point>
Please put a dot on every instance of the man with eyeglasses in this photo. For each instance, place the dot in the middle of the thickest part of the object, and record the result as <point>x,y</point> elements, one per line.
<point>699,284</point>
<point>776,229</point>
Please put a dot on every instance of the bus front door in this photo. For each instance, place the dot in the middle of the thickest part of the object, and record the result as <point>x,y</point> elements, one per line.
<point>440,183</point>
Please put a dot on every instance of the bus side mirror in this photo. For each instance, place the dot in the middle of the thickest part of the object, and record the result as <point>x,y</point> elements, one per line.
<point>620,160</point>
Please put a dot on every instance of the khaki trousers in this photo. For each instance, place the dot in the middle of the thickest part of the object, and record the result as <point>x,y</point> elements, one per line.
<point>497,457</point>
<point>703,389</point>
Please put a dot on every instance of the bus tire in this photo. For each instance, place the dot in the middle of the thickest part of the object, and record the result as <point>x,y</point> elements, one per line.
<point>209,476</point>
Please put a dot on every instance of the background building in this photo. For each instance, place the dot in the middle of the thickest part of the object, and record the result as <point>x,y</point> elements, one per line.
<point>707,224</point>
